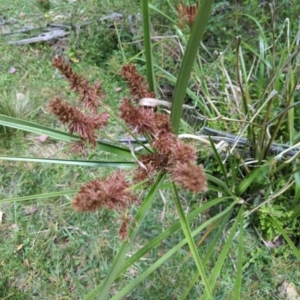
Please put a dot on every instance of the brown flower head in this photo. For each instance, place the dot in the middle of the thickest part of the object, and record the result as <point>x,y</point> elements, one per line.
<point>186,14</point>
<point>164,142</point>
<point>189,176</point>
<point>163,123</point>
<point>149,165</point>
<point>182,152</point>
<point>109,193</point>
<point>137,84</point>
<point>84,125</point>
<point>139,118</point>
<point>90,95</point>
<point>143,119</point>
<point>171,153</point>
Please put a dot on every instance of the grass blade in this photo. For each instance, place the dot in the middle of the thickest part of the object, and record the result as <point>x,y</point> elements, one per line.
<point>221,185</point>
<point>36,128</point>
<point>256,175</point>
<point>187,232</point>
<point>157,240</point>
<point>223,255</point>
<point>297,189</point>
<point>219,161</point>
<point>219,224</point>
<point>286,237</point>
<point>85,163</point>
<point>148,46</point>
<point>169,254</point>
<point>151,6</point>
<point>188,61</point>
<point>238,280</point>
<point>39,196</point>
<point>58,135</point>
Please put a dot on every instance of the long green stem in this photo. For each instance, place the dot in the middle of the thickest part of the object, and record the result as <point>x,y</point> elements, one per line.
<point>187,232</point>
<point>148,46</point>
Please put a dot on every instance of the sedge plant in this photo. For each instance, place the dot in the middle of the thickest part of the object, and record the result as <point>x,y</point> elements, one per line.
<point>162,157</point>
<point>165,153</point>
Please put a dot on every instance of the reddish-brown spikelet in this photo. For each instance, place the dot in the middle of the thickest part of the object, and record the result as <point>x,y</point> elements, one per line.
<point>64,111</point>
<point>154,162</point>
<point>125,225</point>
<point>137,84</point>
<point>182,152</point>
<point>142,119</point>
<point>109,193</point>
<point>190,176</point>
<point>172,154</point>
<point>90,95</point>
<point>186,14</point>
<point>78,148</point>
<point>84,125</point>
<point>164,142</point>
<point>146,168</point>
<point>123,231</point>
<point>162,123</point>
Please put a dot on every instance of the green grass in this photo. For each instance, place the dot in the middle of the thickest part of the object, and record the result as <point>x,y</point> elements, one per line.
<point>48,251</point>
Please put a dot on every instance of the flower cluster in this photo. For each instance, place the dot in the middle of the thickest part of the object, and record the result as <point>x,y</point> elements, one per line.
<point>186,14</point>
<point>109,193</point>
<point>137,84</point>
<point>82,124</point>
<point>90,96</point>
<point>170,153</point>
